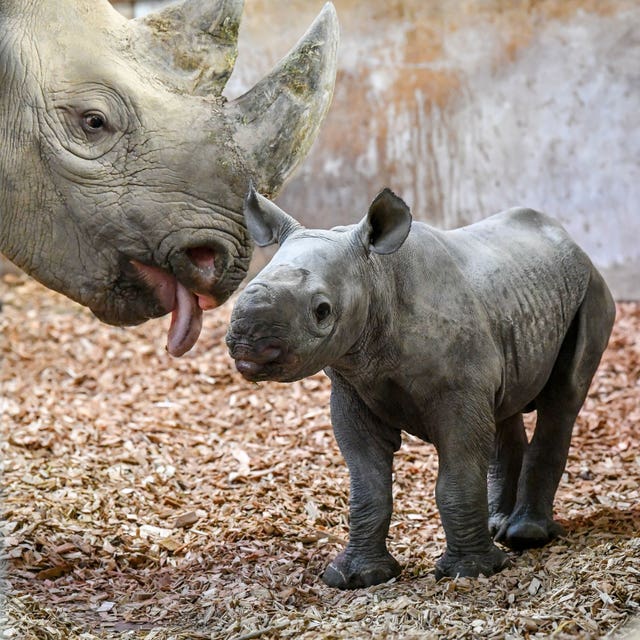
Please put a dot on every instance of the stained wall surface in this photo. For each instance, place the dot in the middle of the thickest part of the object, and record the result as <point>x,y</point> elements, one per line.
<point>466,108</point>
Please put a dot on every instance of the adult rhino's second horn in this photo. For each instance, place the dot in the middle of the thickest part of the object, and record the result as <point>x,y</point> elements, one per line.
<point>193,43</point>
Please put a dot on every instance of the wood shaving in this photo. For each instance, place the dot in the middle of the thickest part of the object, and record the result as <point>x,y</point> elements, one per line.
<point>159,498</point>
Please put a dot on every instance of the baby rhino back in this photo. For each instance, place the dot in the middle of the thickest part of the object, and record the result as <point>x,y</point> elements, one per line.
<point>531,278</point>
<point>521,258</point>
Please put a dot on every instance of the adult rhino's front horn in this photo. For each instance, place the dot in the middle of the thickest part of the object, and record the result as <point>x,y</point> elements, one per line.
<point>194,45</point>
<point>123,167</point>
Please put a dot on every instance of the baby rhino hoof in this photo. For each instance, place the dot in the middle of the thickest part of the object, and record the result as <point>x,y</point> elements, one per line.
<point>522,533</point>
<point>471,565</point>
<point>352,572</point>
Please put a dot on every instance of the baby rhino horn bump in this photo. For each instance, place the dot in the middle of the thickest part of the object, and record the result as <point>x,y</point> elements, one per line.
<point>194,41</point>
<point>278,119</point>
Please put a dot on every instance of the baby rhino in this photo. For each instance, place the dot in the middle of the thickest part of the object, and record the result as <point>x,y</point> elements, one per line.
<point>448,335</point>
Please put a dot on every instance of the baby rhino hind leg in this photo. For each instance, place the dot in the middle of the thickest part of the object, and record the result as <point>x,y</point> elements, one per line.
<point>504,472</point>
<point>531,523</point>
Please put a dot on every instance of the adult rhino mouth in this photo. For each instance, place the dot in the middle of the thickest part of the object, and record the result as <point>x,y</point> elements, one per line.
<point>186,307</point>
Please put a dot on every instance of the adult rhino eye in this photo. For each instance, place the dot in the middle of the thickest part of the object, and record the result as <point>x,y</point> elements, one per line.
<point>93,122</point>
<point>323,311</point>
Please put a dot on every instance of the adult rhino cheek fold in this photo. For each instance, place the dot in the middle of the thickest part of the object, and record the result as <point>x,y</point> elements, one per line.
<point>123,168</point>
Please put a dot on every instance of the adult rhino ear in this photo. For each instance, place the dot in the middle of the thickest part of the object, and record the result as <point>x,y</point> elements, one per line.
<point>194,42</point>
<point>386,225</point>
<point>278,119</point>
<point>267,223</point>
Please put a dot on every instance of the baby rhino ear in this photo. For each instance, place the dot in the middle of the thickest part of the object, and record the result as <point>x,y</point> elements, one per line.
<point>267,223</point>
<point>387,223</point>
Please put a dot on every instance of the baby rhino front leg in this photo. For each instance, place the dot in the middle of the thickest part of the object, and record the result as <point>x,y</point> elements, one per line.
<point>368,447</point>
<point>464,442</point>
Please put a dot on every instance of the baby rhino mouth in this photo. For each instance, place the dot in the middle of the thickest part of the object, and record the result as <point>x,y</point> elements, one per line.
<point>264,359</point>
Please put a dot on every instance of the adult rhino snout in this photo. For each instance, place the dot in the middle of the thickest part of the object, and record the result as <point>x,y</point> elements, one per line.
<point>202,268</point>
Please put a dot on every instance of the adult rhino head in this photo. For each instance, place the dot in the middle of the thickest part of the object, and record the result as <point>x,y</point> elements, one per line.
<point>123,168</point>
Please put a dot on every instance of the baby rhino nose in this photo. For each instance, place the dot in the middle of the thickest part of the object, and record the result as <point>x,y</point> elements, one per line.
<point>256,311</point>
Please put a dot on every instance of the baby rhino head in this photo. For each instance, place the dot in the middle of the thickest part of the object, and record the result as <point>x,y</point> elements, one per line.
<point>309,306</point>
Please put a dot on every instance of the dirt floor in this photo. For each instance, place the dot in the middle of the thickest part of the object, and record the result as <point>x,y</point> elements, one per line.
<point>149,497</point>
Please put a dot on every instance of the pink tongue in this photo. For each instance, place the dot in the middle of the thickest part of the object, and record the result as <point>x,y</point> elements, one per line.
<point>186,322</point>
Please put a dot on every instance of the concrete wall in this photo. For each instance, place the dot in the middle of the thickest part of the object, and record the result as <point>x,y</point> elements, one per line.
<point>467,108</point>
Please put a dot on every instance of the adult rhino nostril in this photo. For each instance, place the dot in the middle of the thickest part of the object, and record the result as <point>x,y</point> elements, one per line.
<point>203,258</point>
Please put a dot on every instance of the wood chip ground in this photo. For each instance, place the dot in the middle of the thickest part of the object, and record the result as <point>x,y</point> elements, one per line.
<point>159,498</point>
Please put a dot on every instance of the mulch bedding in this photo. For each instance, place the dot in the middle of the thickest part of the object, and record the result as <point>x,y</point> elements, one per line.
<point>158,498</point>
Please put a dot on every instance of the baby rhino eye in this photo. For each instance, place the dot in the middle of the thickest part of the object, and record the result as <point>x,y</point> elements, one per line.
<point>322,311</point>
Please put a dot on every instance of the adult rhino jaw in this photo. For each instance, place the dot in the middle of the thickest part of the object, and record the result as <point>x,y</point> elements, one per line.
<point>118,149</point>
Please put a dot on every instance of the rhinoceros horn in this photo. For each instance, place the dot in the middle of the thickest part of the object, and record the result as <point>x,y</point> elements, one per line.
<point>194,47</point>
<point>278,118</point>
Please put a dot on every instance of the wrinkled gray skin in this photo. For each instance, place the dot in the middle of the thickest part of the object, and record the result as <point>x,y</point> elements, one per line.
<point>449,335</point>
<point>122,167</point>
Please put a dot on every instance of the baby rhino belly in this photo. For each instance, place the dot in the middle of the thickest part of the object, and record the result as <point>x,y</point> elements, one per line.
<point>531,345</point>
